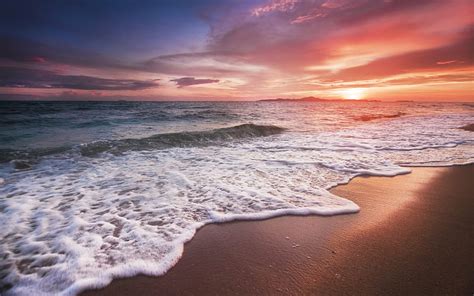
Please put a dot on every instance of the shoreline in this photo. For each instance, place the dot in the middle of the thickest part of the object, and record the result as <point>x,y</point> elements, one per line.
<point>231,257</point>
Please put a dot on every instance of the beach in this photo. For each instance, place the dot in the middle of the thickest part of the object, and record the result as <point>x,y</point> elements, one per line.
<point>263,147</point>
<point>149,188</point>
<point>414,235</point>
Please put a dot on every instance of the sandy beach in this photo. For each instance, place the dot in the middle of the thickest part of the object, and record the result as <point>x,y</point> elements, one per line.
<point>414,235</point>
<point>199,147</point>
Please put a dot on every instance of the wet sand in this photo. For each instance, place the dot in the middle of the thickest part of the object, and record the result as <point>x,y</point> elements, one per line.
<point>414,235</point>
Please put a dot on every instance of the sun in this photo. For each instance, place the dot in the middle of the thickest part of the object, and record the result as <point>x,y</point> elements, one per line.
<point>353,93</point>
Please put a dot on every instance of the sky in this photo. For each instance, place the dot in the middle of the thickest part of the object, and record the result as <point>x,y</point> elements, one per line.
<point>237,49</point>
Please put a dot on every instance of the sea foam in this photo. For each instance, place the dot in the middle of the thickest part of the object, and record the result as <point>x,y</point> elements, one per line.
<point>76,222</point>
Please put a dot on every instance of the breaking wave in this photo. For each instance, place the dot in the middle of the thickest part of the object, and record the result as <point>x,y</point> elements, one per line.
<point>182,139</point>
<point>20,158</point>
<point>378,116</point>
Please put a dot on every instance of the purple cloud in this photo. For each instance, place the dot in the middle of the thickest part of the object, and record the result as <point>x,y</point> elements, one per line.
<point>187,81</point>
<point>35,78</point>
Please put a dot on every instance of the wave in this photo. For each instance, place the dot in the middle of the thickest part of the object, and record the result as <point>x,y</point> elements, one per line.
<point>182,139</point>
<point>77,223</point>
<point>468,127</point>
<point>378,116</point>
<point>159,141</point>
<point>93,123</point>
<point>206,114</point>
<point>28,156</point>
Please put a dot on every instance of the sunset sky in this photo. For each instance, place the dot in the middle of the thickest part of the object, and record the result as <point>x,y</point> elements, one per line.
<point>237,50</point>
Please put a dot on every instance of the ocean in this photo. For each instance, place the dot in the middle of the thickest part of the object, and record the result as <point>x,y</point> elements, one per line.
<point>91,191</point>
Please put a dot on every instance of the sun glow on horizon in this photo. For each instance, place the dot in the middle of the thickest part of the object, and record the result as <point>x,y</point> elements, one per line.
<point>353,93</point>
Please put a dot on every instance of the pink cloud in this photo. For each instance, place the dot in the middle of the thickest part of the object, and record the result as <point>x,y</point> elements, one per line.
<point>38,59</point>
<point>274,5</point>
<point>446,62</point>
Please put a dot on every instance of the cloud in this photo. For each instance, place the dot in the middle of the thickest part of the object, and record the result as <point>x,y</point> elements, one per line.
<point>262,48</point>
<point>68,96</point>
<point>289,36</point>
<point>274,5</point>
<point>32,78</point>
<point>187,81</point>
<point>454,56</point>
<point>25,51</point>
<point>198,63</point>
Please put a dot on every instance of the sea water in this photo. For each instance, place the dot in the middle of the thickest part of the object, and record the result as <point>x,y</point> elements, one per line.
<point>91,191</point>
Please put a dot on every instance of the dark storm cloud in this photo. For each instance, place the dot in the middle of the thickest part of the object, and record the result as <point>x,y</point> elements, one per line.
<point>32,78</point>
<point>187,81</point>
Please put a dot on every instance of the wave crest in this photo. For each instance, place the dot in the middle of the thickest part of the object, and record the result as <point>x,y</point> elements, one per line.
<point>378,116</point>
<point>181,139</point>
<point>159,141</point>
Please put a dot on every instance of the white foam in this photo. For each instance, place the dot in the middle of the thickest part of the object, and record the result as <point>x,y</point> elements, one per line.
<point>78,223</point>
